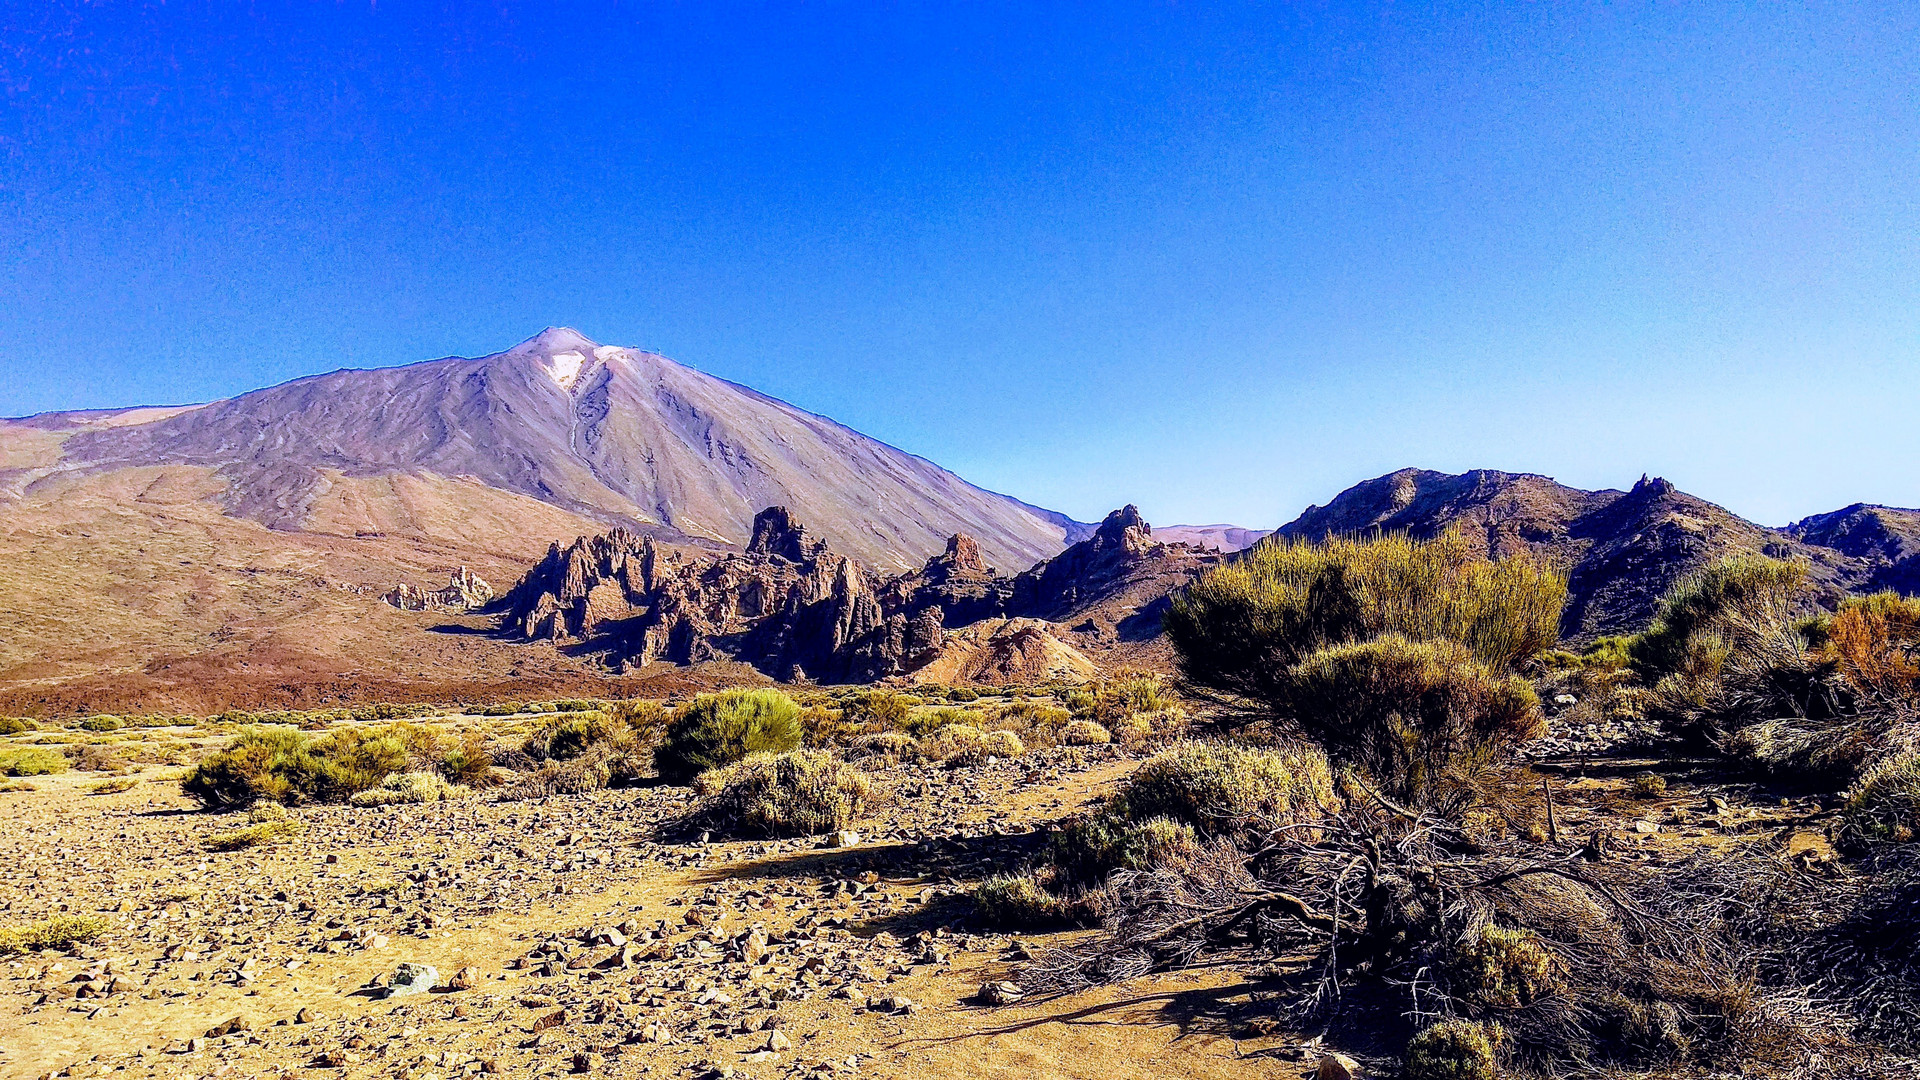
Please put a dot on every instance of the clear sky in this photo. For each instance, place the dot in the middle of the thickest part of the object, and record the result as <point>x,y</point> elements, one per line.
<point>1218,260</point>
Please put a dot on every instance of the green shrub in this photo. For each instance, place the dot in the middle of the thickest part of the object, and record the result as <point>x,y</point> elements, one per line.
<point>1884,804</point>
<point>565,736</point>
<point>30,761</point>
<point>410,787</point>
<point>1090,847</point>
<point>103,723</point>
<point>1411,713</point>
<point>963,695</point>
<point>1016,902</point>
<point>922,724</point>
<point>286,765</point>
<point>1648,786</point>
<point>1453,1050</point>
<point>58,932</point>
<point>113,787</point>
<point>716,730</point>
<point>802,793</point>
<point>1214,787</point>
<point>15,725</point>
<point>1500,968</point>
<point>469,764</point>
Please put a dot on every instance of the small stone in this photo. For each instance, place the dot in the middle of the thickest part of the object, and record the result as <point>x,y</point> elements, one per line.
<point>237,1023</point>
<point>305,1016</point>
<point>845,838</point>
<point>1000,993</point>
<point>587,1061</point>
<point>463,979</point>
<point>412,979</point>
<point>777,1041</point>
<point>1337,1067</point>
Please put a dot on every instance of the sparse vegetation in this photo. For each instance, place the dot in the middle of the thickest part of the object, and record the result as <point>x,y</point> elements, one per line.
<point>58,932</point>
<point>410,787</point>
<point>30,761</point>
<point>286,765</point>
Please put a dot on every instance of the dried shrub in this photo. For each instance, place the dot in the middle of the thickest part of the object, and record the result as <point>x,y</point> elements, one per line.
<point>470,764</point>
<point>410,787</point>
<point>1876,642</point>
<point>715,730</point>
<point>1884,804</point>
<point>803,793</point>
<point>1503,968</point>
<point>258,834</point>
<point>878,710</point>
<point>891,744</point>
<point>1085,733</point>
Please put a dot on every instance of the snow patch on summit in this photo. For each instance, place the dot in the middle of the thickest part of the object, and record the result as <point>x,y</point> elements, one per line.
<point>565,368</point>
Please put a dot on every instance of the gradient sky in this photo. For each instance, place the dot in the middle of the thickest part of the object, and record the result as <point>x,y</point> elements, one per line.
<point>1218,260</point>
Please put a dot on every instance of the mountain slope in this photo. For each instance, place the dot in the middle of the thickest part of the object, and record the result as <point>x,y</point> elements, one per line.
<point>611,434</point>
<point>1622,550</point>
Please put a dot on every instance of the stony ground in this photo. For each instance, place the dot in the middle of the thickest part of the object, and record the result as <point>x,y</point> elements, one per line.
<point>574,935</point>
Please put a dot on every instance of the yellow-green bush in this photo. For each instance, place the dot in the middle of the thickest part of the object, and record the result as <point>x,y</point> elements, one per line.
<point>715,730</point>
<point>1454,1050</point>
<point>1085,733</point>
<point>1092,846</point>
<point>802,793</point>
<point>565,736</point>
<point>258,834</point>
<point>15,725</point>
<point>286,765</point>
<point>103,723</point>
<point>1016,902</point>
<point>1501,968</point>
<point>1216,786</point>
<point>30,761</point>
<point>879,710</point>
<point>58,932</point>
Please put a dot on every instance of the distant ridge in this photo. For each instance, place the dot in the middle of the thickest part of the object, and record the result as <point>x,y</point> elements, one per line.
<point>1622,549</point>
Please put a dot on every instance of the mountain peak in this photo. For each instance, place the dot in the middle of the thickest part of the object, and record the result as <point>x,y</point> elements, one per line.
<point>560,352</point>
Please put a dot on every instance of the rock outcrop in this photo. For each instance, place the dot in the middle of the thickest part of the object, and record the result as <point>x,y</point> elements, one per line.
<point>795,609</point>
<point>465,591</point>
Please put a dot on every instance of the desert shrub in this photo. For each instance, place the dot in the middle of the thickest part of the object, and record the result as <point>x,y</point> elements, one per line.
<point>565,736</point>
<point>1283,601</point>
<point>15,725</point>
<point>1884,804</point>
<point>1036,721</point>
<point>1411,713</point>
<point>1393,654</point>
<point>1090,847</point>
<point>602,765</point>
<point>646,719</point>
<point>878,710</point>
<point>58,932</point>
<point>1004,744</point>
<point>963,695</point>
<point>89,758</point>
<point>470,764</point>
<point>16,787</point>
<point>113,787</point>
<point>802,793</point>
<point>1876,642</point>
<point>922,724</point>
<point>1016,902</point>
<point>102,723</point>
<point>1215,787</point>
<point>956,743</point>
<point>30,761</point>
<point>1648,786</point>
<point>822,726</point>
<point>1453,1050</point>
<point>1085,733</point>
<point>894,744</point>
<point>410,787</point>
<point>258,834</point>
<point>1501,968</point>
<point>716,730</point>
<point>286,765</point>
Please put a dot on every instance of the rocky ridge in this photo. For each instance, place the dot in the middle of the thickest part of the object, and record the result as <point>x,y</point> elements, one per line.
<point>795,609</point>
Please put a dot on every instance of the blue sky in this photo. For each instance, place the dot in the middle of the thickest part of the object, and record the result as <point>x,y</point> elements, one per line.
<point>1219,260</point>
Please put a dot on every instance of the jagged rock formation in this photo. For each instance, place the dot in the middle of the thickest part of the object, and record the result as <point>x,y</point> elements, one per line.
<point>1623,550</point>
<point>465,591</point>
<point>794,608</point>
